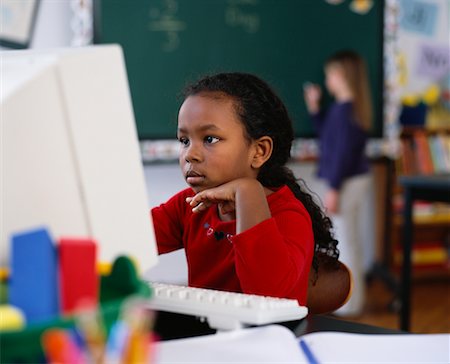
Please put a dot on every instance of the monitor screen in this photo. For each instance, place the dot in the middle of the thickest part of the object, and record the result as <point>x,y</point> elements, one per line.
<point>70,158</point>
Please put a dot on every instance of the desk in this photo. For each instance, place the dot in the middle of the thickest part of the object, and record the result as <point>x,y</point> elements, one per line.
<point>170,326</point>
<point>349,343</point>
<point>279,343</point>
<point>319,323</point>
<point>430,188</point>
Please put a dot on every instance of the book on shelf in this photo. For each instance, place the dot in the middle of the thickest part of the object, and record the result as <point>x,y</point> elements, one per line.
<point>438,165</point>
<point>443,149</point>
<point>424,212</point>
<point>407,164</point>
<point>424,152</point>
<point>425,255</point>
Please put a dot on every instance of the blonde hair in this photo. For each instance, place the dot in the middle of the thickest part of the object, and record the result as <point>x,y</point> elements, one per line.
<point>355,72</point>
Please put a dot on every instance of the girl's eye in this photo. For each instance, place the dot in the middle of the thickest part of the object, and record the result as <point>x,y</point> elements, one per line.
<point>184,141</point>
<point>211,140</point>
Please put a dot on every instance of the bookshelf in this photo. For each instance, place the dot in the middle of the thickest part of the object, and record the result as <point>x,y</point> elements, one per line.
<point>423,152</point>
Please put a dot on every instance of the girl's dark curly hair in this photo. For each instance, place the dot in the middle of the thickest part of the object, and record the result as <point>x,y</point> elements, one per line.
<point>264,114</point>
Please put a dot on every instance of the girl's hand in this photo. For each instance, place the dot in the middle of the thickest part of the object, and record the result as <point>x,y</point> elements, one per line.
<point>224,196</point>
<point>332,201</point>
<point>312,94</point>
<point>243,199</point>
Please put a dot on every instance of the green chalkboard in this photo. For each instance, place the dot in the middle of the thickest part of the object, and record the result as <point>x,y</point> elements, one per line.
<point>168,43</point>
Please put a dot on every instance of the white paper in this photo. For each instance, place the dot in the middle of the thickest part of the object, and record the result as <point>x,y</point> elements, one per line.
<point>336,347</point>
<point>277,344</point>
<point>267,344</point>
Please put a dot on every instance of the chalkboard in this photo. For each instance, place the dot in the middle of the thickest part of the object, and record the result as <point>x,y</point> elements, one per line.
<point>168,43</point>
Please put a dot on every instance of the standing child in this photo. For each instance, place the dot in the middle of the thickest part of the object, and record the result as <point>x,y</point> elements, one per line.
<point>244,222</point>
<point>342,131</point>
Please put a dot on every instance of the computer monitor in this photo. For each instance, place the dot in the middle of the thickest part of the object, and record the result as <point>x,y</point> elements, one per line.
<point>70,158</point>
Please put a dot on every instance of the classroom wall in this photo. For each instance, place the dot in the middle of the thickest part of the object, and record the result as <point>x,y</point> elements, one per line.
<point>426,24</point>
<point>52,25</point>
<point>421,29</point>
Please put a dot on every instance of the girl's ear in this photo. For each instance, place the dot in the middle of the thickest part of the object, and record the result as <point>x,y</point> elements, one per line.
<point>263,150</point>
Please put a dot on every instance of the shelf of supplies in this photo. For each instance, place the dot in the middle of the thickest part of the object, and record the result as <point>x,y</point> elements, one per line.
<point>426,220</point>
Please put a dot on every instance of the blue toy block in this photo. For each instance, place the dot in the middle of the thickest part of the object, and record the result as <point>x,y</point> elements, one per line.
<point>33,285</point>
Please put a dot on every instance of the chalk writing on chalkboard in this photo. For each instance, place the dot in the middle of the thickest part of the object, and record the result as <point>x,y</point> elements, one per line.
<point>164,19</point>
<point>237,15</point>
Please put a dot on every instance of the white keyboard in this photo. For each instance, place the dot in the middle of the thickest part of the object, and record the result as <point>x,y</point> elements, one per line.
<point>224,310</point>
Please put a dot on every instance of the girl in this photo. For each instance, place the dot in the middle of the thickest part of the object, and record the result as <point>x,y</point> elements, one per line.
<point>245,224</point>
<point>343,165</point>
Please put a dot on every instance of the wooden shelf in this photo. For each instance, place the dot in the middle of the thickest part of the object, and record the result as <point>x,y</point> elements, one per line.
<point>426,221</point>
<point>433,226</point>
<point>432,273</point>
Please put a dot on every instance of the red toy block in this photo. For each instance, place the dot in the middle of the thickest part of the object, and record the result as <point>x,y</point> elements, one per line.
<point>78,273</point>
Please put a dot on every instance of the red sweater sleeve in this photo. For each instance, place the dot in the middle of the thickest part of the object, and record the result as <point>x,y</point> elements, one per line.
<point>169,221</point>
<point>274,257</point>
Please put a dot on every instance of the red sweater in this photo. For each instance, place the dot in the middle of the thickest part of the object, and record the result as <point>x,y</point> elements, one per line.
<point>272,258</point>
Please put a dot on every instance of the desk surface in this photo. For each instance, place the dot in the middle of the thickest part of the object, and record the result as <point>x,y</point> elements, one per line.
<point>175,326</point>
<point>434,179</point>
<point>434,187</point>
<point>319,323</point>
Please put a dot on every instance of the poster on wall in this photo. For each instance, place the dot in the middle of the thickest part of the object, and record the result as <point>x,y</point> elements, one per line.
<point>17,19</point>
<point>419,16</point>
<point>424,62</point>
<point>423,44</point>
<point>433,61</point>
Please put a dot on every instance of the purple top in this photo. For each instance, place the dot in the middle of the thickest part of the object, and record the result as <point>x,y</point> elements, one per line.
<point>342,144</point>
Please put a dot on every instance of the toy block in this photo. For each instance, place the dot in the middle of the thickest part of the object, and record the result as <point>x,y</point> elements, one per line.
<point>78,273</point>
<point>33,285</point>
<point>122,281</point>
<point>11,318</point>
